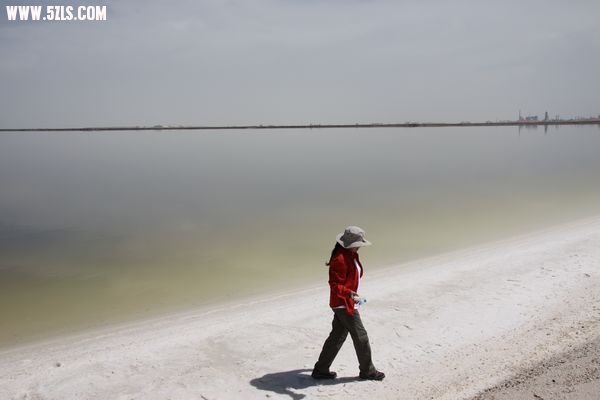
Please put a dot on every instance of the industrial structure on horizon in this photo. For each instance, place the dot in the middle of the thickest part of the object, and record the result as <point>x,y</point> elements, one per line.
<point>534,118</point>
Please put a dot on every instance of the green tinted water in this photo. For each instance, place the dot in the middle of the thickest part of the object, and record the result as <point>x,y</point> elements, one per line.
<point>101,228</point>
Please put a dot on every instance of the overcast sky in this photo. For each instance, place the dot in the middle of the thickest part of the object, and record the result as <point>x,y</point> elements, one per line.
<point>300,61</point>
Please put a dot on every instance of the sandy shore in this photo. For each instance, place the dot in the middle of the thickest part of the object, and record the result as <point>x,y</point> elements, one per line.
<point>514,318</point>
<point>574,374</point>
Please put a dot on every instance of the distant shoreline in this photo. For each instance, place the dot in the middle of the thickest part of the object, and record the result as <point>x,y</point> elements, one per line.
<point>591,121</point>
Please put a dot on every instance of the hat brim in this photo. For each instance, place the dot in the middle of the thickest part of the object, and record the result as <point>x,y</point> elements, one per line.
<point>352,245</point>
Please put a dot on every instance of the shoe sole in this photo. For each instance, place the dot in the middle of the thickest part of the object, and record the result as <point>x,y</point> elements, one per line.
<point>321,377</point>
<point>372,378</point>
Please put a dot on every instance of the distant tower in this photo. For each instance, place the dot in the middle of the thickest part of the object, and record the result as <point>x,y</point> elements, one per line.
<point>520,116</point>
<point>546,116</point>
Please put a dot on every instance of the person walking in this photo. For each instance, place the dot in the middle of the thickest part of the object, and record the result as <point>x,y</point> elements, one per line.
<point>345,271</point>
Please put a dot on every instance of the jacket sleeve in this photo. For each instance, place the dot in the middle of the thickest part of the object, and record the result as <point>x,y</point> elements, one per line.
<point>337,278</point>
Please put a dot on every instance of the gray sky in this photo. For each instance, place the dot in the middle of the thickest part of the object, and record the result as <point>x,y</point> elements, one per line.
<point>300,61</point>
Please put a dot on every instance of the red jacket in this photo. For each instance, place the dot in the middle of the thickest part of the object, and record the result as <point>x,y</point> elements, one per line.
<point>343,279</point>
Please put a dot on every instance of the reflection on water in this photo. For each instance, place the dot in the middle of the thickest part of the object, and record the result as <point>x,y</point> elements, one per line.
<point>546,127</point>
<point>97,228</point>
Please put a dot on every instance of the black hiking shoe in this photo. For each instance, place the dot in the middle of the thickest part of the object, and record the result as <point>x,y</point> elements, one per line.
<point>323,375</point>
<point>373,376</point>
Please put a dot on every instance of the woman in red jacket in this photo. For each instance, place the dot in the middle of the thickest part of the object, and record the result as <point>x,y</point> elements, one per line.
<point>345,271</point>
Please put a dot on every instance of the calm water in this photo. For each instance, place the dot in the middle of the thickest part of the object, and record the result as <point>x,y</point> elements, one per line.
<point>100,228</point>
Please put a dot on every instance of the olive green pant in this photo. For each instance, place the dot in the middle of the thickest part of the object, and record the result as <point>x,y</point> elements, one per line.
<point>342,324</point>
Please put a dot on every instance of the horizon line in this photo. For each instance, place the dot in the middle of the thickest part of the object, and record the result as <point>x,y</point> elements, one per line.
<point>581,121</point>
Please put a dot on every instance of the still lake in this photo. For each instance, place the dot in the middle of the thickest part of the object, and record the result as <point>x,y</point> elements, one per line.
<point>99,228</point>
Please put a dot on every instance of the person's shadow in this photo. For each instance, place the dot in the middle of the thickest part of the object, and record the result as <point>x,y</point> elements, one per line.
<point>284,382</point>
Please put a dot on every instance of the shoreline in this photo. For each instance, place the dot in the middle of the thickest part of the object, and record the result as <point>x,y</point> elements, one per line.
<point>271,293</point>
<point>589,121</point>
<point>445,327</point>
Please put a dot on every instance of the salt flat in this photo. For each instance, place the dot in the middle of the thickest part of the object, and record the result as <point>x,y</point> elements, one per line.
<point>446,327</point>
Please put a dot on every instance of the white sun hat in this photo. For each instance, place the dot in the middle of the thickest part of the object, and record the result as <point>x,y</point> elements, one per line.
<point>352,237</point>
